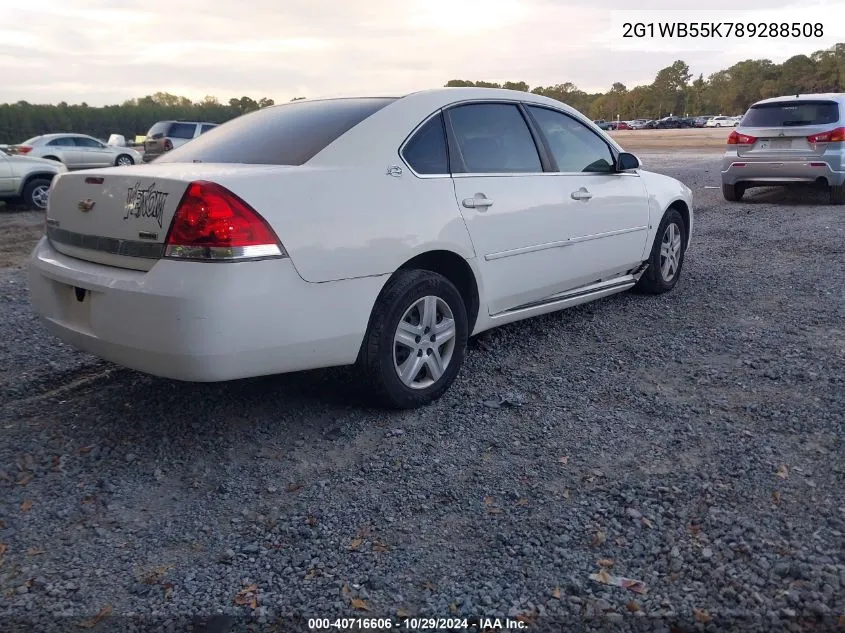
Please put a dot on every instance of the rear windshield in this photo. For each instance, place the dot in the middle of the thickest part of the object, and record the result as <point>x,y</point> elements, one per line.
<point>289,134</point>
<point>791,113</point>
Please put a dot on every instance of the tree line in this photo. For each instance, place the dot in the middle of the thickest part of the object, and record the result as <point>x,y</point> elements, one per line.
<point>673,91</point>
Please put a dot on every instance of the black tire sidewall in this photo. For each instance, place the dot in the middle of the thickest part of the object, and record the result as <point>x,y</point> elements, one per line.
<point>655,275</point>
<point>28,190</point>
<point>406,289</point>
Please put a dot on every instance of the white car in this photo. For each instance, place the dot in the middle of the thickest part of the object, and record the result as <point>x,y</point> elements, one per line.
<point>720,121</point>
<point>380,232</point>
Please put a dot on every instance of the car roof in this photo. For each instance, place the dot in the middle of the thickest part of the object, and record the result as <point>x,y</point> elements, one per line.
<point>444,97</point>
<point>60,134</point>
<point>839,97</point>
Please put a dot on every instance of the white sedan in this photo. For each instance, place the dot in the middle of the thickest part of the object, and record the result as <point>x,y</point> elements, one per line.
<point>376,231</point>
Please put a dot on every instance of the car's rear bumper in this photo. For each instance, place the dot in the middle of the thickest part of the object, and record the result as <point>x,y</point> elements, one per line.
<point>778,172</point>
<point>202,322</point>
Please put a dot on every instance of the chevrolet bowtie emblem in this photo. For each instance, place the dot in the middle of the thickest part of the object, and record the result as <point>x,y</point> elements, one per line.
<point>85,205</point>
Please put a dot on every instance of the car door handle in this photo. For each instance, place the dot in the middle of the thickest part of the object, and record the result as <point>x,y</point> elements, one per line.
<point>581,194</point>
<point>479,201</point>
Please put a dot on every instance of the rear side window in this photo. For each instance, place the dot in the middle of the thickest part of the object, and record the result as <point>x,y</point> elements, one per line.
<point>289,134</point>
<point>64,141</point>
<point>205,127</point>
<point>182,130</point>
<point>494,138</point>
<point>425,152</point>
<point>791,114</point>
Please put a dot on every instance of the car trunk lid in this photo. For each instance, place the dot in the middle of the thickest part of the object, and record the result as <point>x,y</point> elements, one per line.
<point>784,129</point>
<point>121,216</point>
<point>782,142</point>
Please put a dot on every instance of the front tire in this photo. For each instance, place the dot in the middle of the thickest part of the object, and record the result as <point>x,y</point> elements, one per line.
<point>37,193</point>
<point>416,340</point>
<point>667,256</point>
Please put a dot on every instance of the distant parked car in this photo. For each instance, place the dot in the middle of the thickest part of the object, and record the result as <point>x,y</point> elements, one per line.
<point>165,135</point>
<point>701,121</point>
<point>672,123</point>
<point>620,125</point>
<point>788,140</point>
<point>78,151</point>
<point>719,121</point>
<point>604,125</point>
<point>637,124</point>
<point>27,178</point>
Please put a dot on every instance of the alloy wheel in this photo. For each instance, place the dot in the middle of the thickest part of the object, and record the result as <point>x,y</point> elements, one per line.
<point>424,342</point>
<point>670,252</point>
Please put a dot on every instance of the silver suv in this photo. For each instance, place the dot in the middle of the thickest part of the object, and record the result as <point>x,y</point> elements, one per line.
<point>787,140</point>
<point>27,178</point>
<point>165,135</point>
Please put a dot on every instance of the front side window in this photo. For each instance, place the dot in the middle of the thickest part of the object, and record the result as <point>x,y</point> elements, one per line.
<point>573,145</point>
<point>494,138</point>
<point>425,152</point>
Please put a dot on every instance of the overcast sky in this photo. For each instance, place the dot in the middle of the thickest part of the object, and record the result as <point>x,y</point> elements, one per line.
<point>106,51</point>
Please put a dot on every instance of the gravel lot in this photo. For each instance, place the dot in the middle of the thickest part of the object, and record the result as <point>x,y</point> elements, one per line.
<point>692,441</point>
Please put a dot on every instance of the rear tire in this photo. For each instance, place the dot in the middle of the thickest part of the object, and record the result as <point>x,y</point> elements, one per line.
<point>837,194</point>
<point>36,194</point>
<point>402,366</point>
<point>733,193</point>
<point>124,160</point>
<point>667,256</point>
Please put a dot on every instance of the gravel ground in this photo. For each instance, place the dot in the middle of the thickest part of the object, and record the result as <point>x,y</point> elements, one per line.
<point>692,441</point>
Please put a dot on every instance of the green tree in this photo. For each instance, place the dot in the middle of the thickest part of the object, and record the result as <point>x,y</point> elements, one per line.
<point>669,88</point>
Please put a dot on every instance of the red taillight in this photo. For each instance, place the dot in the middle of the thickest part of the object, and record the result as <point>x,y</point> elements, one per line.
<point>23,149</point>
<point>735,138</point>
<point>212,223</point>
<point>831,136</point>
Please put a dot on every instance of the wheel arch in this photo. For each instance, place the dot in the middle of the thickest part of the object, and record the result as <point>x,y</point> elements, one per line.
<point>681,207</point>
<point>457,270</point>
<point>47,175</point>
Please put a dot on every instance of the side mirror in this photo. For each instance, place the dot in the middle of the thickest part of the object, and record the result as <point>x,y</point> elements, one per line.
<point>627,161</point>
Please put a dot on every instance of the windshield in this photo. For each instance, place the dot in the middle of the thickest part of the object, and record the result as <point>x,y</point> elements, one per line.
<point>289,134</point>
<point>792,113</point>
